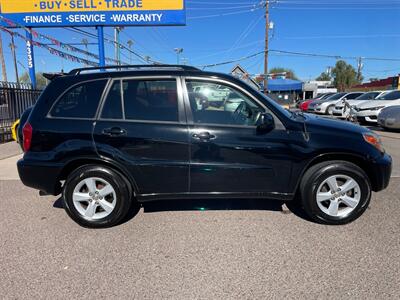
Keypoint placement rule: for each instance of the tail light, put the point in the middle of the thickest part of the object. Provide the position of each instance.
(27, 134)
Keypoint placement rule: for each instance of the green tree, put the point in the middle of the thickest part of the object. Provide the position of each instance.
(41, 82)
(289, 73)
(344, 75)
(324, 76)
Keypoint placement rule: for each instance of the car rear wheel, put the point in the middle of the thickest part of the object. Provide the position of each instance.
(335, 192)
(96, 196)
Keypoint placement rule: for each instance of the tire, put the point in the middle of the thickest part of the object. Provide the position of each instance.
(315, 187)
(329, 110)
(107, 204)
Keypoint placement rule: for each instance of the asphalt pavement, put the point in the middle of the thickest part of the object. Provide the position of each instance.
(216, 249)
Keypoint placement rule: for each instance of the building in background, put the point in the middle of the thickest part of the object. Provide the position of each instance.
(390, 83)
(312, 88)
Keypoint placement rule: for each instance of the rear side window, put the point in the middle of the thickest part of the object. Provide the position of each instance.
(112, 108)
(80, 102)
(151, 100)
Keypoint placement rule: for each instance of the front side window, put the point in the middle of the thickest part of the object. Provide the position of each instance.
(81, 101)
(151, 100)
(217, 104)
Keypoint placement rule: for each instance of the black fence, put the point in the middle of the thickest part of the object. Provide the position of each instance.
(14, 99)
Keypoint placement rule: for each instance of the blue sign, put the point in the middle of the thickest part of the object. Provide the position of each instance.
(68, 13)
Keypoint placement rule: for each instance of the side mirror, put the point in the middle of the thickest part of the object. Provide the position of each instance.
(265, 123)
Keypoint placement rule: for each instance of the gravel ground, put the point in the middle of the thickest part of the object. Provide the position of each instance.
(232, 249)
(219, 249)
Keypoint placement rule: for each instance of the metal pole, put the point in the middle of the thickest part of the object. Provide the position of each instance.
(117, 48)
(3, 63)
(266, 46)
(12, 45)
(31, 58)
(102, 56)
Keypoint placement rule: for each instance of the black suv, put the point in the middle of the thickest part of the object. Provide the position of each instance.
(109, 139)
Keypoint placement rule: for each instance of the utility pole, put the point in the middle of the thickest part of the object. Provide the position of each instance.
(178, 53)
(359, 68)
(117, 30)
(266, 47)
(130, 44)
(3, 63)
(85, 42)
(13, 47)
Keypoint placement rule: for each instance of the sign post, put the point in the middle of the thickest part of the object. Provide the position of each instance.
(100, 36)
(31, 59)
(78, 13)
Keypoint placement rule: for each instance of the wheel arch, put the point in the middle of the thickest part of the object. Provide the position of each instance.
(358, 160)
(80, 162)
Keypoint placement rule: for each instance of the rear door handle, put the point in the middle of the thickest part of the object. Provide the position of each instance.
(114, 131)
(204, 136)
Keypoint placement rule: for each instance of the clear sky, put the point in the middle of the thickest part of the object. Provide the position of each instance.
(224, 30)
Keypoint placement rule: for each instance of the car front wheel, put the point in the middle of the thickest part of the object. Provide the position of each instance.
(329, 110)
(335, 192)
(96, 196)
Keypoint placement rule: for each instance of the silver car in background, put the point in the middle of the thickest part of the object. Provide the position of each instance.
(389, 117)
(343, 112)
(327, 107)
(367, 112)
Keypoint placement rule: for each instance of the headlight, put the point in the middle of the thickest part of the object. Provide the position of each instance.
(374, 140)
(376, 108)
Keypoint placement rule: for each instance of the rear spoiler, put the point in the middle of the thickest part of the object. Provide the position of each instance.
(52, 76)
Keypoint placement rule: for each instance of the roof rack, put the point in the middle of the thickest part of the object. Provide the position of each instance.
(180, 67)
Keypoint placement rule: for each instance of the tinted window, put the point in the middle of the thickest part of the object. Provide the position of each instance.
(390, 96)
(368, 96)
(213, 104)
(152, 100)
(353, 96)
(81, 101)
(112, 108)
(336, 96)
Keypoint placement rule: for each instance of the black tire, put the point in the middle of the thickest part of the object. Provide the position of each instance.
(317, 174)
(118, 182)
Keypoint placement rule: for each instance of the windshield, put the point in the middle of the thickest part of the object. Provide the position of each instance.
(323, 97)
(336, 96)
(390, 96)
(368, 96)
(286, 112)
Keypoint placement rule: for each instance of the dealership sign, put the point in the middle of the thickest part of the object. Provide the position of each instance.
(66, 13)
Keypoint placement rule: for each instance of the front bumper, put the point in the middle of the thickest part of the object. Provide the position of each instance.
(40, 176)
(381, 170)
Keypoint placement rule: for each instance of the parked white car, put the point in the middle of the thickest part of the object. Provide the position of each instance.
(326, 107)
(368, 112)
(343, 112)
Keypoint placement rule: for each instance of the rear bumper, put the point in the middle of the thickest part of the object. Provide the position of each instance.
(381, 169)
(40, 176)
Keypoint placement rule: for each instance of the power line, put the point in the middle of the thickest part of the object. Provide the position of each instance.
(224, 14)
(303, 54)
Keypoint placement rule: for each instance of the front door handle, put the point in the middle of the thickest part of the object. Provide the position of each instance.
(114, 131)
(204, 136)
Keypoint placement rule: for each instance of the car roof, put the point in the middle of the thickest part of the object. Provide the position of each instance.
(85, 74)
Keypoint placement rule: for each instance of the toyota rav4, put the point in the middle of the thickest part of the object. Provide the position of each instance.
(108, 139)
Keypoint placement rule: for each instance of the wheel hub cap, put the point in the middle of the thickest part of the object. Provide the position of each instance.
(94, 198)
(338, 195)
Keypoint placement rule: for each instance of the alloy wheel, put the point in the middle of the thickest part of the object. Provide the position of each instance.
(94, 198)
(338, 195)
